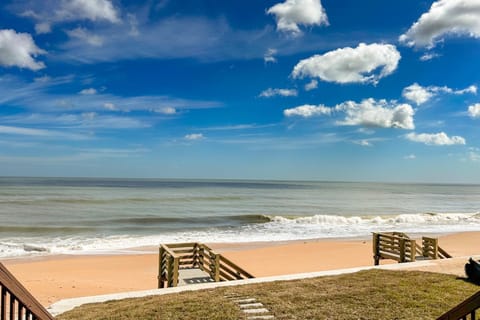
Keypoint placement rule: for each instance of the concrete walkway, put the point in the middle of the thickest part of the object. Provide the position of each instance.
(451, 266)
(191, 276)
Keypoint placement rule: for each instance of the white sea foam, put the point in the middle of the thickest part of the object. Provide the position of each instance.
(388, 220)
(278, 229)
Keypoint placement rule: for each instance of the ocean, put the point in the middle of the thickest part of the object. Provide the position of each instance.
(45, 216)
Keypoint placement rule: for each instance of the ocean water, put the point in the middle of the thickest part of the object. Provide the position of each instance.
(42, 216)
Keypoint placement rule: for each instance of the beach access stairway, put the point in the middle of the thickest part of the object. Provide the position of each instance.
(16, 303)
(189, 263)
(400, 247)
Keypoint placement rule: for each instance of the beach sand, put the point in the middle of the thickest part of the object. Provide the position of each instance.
(59, 277)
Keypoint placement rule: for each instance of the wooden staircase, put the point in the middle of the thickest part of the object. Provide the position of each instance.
(399, 247)
(173, 258)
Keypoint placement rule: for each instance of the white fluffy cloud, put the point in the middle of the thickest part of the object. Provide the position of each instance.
(435, 139)
(308, 111)
(471, 89)
(43, 27)
(194, 136)
(363, 64)
(292, 13)
(474, 110)
(311, 85)
(382, 114)
(94, 10)
(278, 92)
(445, 17)
(368, 113)
(19, 50)
(88, 91)
(418, 94)
(49, 12)
(429, 56)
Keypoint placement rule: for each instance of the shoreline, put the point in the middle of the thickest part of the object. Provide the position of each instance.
(218, 246)
(52, 278)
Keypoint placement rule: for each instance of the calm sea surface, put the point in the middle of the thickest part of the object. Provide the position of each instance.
(52, 215)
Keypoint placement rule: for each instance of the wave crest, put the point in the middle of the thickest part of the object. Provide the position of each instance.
(419, 219)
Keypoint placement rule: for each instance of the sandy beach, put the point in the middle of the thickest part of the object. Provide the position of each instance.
(58, 277)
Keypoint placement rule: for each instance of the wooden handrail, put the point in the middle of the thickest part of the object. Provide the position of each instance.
(17, 303)
(167, 249)
(464, 309)
(239, 271)
(443, 254)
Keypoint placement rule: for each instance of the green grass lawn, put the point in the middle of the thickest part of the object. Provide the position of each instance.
(372, 294)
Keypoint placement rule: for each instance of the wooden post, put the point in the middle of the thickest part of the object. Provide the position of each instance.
(195, 255)
(425, 247)
(3, 312)
(12, 306)
(217, 268)
(430, 247)
(402, 250)
(376, 248)
(169, 271)
(20, 310)
(160, 267)
(175, 270)
(201, 257)
(434, 244)
(413, 250)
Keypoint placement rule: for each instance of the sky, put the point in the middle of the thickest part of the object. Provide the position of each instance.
(341, 90)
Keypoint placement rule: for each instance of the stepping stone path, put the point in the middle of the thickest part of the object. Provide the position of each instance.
(253, 309)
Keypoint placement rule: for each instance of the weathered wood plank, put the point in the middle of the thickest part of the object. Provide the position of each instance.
(185, 262)
(180, 245)
(235, 266)
(182, 252)
(168, 250)
(226, 277)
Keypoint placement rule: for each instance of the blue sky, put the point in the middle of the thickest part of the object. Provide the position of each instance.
(292, 89)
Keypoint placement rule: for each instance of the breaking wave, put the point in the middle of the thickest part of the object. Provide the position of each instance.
(418, 219)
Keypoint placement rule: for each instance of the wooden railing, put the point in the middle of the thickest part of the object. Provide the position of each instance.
(173, 257)
(168, 267)
(430, 249)
(465, 310)
(16, 303)
(396, 246)
(399, 247)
